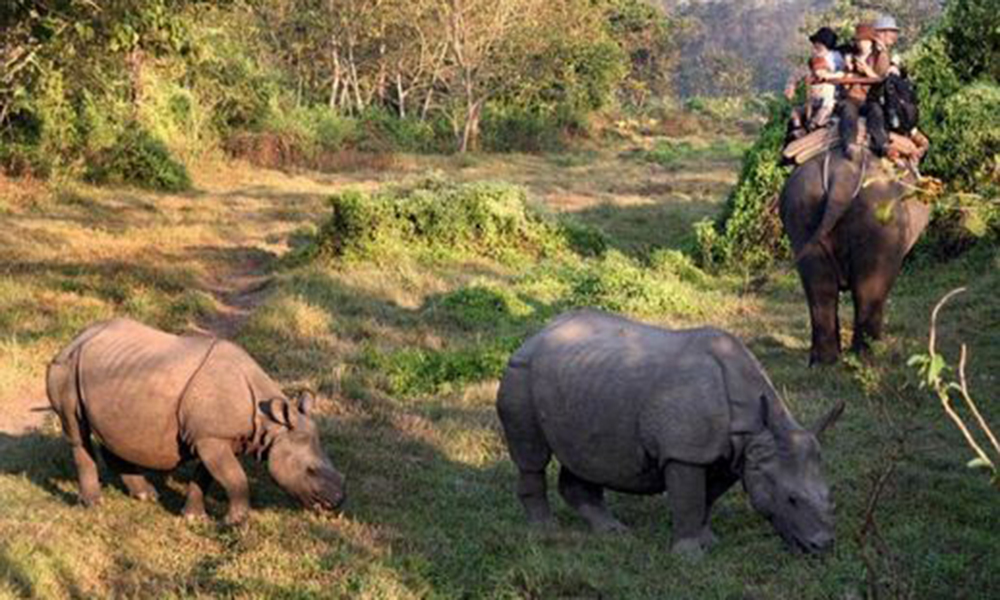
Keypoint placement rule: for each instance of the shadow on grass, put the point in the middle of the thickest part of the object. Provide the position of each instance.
(637, 230)
(46, 461)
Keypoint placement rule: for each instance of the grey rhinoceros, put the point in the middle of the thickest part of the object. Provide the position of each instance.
(641, 409)
(156, 400)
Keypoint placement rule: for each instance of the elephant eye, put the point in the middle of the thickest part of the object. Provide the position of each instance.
(793, 501)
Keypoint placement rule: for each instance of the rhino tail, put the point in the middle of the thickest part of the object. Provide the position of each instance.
(62, 384)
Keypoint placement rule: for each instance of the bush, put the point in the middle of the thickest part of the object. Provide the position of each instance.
(966, 142)
(382, 131)
(510, 129)
(748, 232)
(140, 159)
(584, 239)
(619, 284)
(480, 218)
(479, 305)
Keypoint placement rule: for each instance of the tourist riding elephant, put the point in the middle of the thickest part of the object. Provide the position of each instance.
(850, 225)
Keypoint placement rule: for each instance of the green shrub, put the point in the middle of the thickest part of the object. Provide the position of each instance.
(312, 128)
(139, 159)
(747, 233)
(617, 283)
(966, 142)
(585, 240)
(482, 305)
(517, 129)
(383, 131)
(482, 218)
(971, 33)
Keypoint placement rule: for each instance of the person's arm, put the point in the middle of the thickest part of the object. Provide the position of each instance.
(883, 63)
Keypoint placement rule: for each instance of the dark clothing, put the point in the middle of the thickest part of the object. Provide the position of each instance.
(850, 110)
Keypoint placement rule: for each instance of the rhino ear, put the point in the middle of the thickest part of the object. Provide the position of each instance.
(280, 411)
(829, 418)
(307, 402)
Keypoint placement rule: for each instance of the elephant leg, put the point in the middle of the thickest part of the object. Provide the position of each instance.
(587, 499)
(820, 281)
(688, 496)
(870, 295)
(219, 460)
(132, 476)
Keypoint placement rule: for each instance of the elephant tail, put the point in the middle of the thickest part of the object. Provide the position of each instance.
(837, 202)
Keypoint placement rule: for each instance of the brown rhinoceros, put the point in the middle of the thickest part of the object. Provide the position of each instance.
(155, 400)
(640, 409)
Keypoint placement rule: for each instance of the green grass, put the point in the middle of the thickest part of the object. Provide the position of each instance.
(405, 353)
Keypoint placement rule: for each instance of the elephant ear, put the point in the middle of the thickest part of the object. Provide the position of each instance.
(918, 215)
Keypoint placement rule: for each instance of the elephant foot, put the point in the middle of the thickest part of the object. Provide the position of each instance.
(692, 548)
(823, 358)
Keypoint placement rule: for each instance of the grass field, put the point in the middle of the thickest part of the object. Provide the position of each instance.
(405, 352)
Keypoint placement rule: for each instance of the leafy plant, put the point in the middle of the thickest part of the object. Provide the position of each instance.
(747, 232)
(140, 159)
(933, 369)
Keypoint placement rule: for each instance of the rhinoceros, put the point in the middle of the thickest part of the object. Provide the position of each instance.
(640, 409)
(155, 400)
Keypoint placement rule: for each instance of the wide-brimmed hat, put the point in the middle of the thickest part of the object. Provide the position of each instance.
(864, 31)
(825, 36)
(886, 23)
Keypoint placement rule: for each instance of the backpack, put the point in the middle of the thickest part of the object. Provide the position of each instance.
(898, 96)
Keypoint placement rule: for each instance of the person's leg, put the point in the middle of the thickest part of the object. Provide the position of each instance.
(850, 112)
(875, 117)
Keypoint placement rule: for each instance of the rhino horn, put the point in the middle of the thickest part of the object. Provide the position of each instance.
(829, 418)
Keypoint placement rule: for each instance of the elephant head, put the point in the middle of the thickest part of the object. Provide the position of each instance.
(296, 460)
(783, 478)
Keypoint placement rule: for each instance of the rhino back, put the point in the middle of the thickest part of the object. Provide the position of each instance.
(131, 379)
(617, 398)
(221, 400)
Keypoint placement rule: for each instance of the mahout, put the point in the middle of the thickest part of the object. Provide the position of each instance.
(156, 400)
(641, 409)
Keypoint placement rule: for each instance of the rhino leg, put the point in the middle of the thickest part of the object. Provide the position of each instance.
(194, 507)
(221, 462)
(61, 387)
(132, 476)
(526, 444)
(587, 499)
(688, 496)
(720, 479)
(86, 465)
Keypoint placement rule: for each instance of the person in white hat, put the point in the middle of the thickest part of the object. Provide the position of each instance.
(886, 36)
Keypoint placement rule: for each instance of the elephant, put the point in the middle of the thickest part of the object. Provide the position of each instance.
(156, 400)
(639, 409)
(851, 225)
